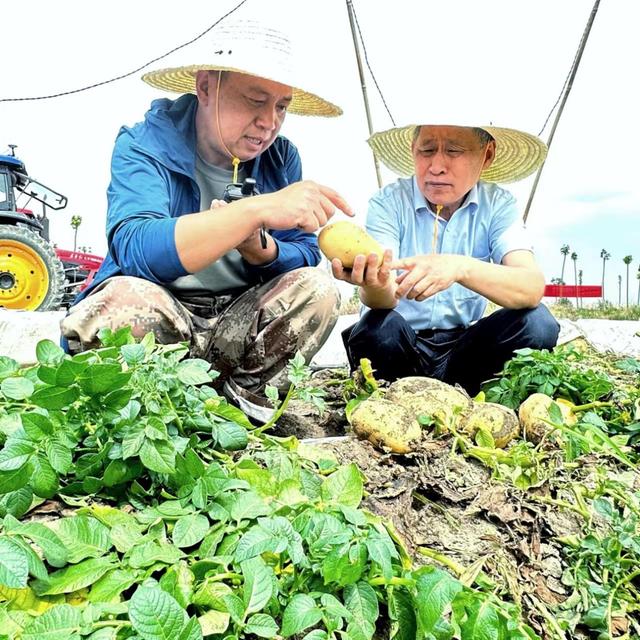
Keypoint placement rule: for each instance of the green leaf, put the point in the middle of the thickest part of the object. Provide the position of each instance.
(44, 480)
(53, 548)
(345, 568)
(235, 607)
(158, 455)
(344, 486)
(402, 611)
(191, 631)
(334, 607)
(246, 505)
(125, 535)
(118, 399)
(194, 371)
(190, 530)
(360, 599)
(14, 564)
(61, 622)
(261, 625)
(257, 541)
(133, 440)
(54, 398)
(16, 503)
(73, 577)
(230, 436)
(36, 425)
(382, 550)
(49, 353)
(119, 471)
(155, 615)
(68, 371)
(8, 366)
(178, 582)
(17, 388)
(15, 454)
(435, 590)
(133, 353)
(60, 456)
(482, 623)
(84, 537)
(15, 479)
(220, 407)
(148, 553)
(300, 614)
(101, 377)
(604, 508)
(258, 584)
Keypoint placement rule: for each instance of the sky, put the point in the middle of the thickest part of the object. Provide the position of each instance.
(503, 62)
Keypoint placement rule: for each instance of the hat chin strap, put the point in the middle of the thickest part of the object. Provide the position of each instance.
(235, 161)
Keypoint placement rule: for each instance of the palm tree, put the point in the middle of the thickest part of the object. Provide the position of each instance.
(564, 250)
(627, 260)
(619, 290)
(605, 255)
(76, 221)
(574, 257)
(580, 282)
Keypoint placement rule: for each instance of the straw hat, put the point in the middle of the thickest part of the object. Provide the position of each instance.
(518, 154)
(246, 47)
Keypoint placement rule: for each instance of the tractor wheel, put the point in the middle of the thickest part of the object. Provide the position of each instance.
(31, 275)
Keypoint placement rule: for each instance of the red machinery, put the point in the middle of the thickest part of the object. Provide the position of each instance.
(34, 275)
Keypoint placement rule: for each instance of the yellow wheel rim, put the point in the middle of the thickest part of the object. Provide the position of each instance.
(24, 279)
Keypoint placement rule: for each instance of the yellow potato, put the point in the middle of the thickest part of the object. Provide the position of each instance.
(345, 240)
(535, 410)
(429, 397)
(501, 422)
(386, 424)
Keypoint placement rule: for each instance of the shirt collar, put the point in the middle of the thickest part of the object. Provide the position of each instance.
(420, 202)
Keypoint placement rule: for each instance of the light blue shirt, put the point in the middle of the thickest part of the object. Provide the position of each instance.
(486, 226)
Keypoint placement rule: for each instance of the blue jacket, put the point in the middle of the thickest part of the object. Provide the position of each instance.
(153, 183)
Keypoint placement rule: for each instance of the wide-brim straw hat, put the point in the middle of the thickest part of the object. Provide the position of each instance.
(247, 47)
(518, 154)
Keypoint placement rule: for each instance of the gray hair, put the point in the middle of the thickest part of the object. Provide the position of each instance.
(483, 136)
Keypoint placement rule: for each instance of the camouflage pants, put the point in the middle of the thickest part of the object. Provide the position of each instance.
(249, 342)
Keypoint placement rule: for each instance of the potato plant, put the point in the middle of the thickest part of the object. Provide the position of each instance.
(177, 518)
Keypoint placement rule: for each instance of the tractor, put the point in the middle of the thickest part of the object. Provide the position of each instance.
(34, 275)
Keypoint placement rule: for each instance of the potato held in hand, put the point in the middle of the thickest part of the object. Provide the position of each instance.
(345, 240)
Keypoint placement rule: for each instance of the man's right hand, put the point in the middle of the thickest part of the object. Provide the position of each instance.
(304, 205)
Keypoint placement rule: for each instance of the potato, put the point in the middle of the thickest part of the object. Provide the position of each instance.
(535, 410)
(385, 424)
(345, 240)
(500, 421)
(429, 397)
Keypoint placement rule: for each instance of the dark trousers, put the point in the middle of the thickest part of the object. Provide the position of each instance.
(466, 356)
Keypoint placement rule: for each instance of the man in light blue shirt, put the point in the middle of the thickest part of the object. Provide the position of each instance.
(457, 242)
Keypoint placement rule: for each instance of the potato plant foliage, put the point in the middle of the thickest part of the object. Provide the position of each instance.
(183, 521)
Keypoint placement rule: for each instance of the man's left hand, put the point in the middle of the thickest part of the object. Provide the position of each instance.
(424, 276)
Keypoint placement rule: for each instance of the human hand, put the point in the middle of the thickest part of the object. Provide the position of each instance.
(425, 275)
(365, 271)
(304, 205)
(216, 204)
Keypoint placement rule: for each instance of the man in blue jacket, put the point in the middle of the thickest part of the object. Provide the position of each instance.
(236, 281)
